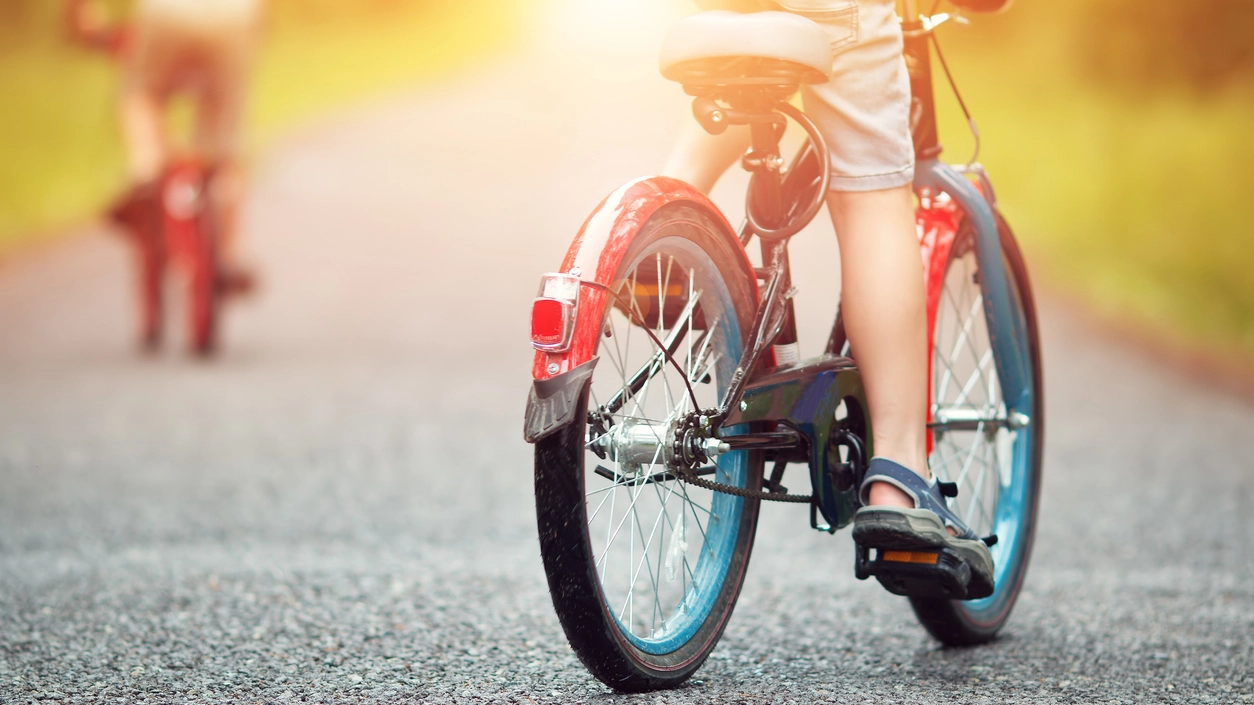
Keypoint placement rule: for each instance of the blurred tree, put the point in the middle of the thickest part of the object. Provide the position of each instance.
(33, 22)
(1147, 45)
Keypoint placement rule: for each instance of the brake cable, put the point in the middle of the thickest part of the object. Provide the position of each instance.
(637, 320)
(953, 85)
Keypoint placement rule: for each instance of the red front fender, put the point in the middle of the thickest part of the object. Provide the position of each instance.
(938, 226)
(598, 250)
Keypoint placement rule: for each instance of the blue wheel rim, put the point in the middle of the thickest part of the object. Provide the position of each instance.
(1014, 466)
(719, 536)
(1013, 501)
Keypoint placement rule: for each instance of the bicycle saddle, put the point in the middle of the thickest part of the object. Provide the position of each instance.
(771, 36)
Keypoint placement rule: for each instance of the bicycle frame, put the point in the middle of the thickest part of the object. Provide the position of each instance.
(732, 328)
(801, 397)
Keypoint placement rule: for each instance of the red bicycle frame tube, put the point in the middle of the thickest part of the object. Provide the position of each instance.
(597, 253)
(938, 226)
(181, 227)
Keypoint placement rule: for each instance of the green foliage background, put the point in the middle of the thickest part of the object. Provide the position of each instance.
(60, 155)
(1119, 135)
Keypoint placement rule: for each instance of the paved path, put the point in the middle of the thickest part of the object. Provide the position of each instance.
(339, 509)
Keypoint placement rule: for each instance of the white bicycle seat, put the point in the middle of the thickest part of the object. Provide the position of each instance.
(782, 36)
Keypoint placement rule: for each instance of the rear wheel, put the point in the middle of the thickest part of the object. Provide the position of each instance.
(994, 460)
(643, 568)
(203, 295)
(151, 257)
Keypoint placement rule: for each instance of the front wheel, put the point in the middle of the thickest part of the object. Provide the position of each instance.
(993, 454)
(643, 568)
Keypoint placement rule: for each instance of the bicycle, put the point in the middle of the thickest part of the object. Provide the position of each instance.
(651, 453)
(173, 225)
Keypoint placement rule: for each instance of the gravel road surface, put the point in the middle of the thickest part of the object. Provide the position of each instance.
(339, 508)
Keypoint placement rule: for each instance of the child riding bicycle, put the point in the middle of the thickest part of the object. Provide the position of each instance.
(199, 48)
(864, 113)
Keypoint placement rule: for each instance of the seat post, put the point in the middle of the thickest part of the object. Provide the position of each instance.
(764, 161)
(919, 65)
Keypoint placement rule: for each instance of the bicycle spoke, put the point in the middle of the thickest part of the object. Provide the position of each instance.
(662, 542)
(704, 539)
(963, 354)
(683, 513)
(644, 558)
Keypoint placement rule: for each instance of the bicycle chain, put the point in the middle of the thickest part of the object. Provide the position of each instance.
(688, 454)
(683, 476)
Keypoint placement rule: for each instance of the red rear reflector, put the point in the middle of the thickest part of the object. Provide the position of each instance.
(553, 312)
(547, 321)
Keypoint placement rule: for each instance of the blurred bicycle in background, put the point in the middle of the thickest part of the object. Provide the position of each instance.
(181, 208)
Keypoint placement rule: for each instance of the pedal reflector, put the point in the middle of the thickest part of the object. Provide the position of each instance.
(925, 557)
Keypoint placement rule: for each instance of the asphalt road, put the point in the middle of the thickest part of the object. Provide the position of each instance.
(339, 508)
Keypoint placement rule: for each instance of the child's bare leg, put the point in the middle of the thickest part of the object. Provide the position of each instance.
(700, 158)
(144, 130)
(883, 302)
(883, 299)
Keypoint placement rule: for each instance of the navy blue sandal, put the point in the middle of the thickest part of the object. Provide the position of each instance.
(914, 553)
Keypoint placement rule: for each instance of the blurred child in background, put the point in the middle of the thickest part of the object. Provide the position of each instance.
(203, 49)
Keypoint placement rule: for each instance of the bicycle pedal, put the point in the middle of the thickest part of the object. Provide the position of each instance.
(938, 574)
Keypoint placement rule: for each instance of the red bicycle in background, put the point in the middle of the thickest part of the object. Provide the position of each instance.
(173, 225)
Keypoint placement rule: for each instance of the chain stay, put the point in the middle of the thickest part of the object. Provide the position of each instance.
(683, 476)
(688, 454)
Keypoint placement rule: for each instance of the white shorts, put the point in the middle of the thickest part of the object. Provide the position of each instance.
(864, 110)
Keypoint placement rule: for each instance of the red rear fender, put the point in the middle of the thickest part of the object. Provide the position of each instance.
(598, 250)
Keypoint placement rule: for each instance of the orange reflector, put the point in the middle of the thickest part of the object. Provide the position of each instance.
(910, 557)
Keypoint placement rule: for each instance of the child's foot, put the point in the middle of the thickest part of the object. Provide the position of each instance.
(883, 494)
(904, 513)
(236, 279)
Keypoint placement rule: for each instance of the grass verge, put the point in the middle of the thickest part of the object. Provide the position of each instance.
(1131, 203)
(60, 155)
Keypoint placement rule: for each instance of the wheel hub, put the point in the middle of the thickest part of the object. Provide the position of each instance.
(686, 442)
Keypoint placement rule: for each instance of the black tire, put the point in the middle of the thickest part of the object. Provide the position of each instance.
(204, 298)
(959, 623)
(151, 257)
(606, 641)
